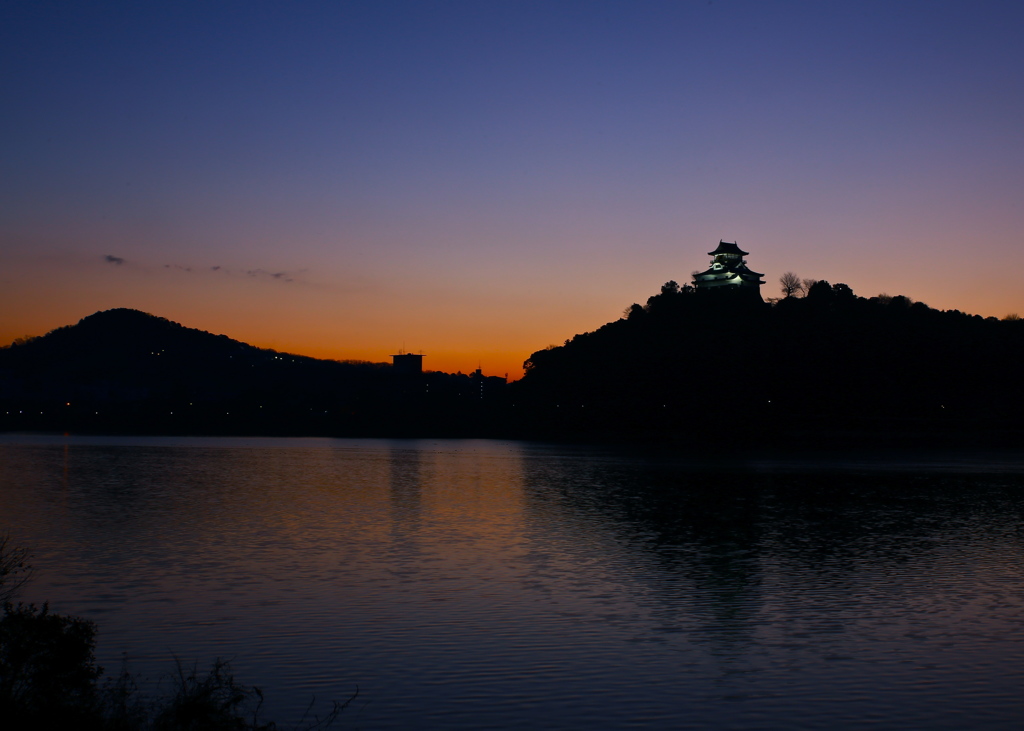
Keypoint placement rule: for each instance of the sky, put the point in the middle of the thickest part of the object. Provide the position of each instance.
(478, 180)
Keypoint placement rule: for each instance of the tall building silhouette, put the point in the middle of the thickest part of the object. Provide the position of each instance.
(407, 362)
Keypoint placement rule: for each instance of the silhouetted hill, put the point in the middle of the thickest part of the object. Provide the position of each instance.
(123, 355)
(724, 370)
(688, 368)
(126, 370)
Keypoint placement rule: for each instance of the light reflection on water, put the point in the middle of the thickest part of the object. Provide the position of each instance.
(469, 584)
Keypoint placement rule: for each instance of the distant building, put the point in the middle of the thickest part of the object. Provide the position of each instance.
(728, 270)
(407, 362)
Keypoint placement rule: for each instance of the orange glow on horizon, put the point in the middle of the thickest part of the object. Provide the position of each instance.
(495, 329)
(286, 329)
(477, 186)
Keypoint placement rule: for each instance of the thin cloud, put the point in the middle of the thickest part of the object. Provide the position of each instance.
(292, 276)
(259, 273)
(264, 274)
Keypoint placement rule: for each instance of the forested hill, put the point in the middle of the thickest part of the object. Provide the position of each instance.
(124, 355)
(720, 368)
(691, 367)
(123, 370)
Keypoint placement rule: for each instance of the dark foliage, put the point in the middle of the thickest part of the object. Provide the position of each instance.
(686, 365)
(14, 568)
(698, 367)
(212, 702)
(49, 679)
(47, 672)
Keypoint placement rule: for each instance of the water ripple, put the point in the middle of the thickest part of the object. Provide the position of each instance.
(466, 585)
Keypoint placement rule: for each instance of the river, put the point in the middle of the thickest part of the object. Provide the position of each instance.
(512, 585)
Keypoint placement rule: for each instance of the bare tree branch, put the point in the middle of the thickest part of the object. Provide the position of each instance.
(790, 284)
(14, 568)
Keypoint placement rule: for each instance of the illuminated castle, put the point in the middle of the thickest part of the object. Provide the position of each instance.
(728, 271)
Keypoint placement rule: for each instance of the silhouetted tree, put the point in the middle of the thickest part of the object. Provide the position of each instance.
(843, 291)
(791, 284)
(14, 568)
(819, 291)
(633, 311)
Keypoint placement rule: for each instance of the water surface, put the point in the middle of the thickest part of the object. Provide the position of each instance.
(481, 584)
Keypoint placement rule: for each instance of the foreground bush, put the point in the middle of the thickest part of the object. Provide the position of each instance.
(47, 671)
(49, 679)
(15, 570)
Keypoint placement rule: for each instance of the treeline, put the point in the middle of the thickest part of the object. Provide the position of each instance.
(689, 366)
(725, 366)
(125, 371)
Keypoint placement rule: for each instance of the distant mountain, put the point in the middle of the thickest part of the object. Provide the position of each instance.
(687, 368)
(131, 371)
(125, 355)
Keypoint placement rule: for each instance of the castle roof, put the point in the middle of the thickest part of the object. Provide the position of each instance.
(741, 270)
(725, 247)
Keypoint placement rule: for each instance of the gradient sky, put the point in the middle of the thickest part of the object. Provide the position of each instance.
(478, 180)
